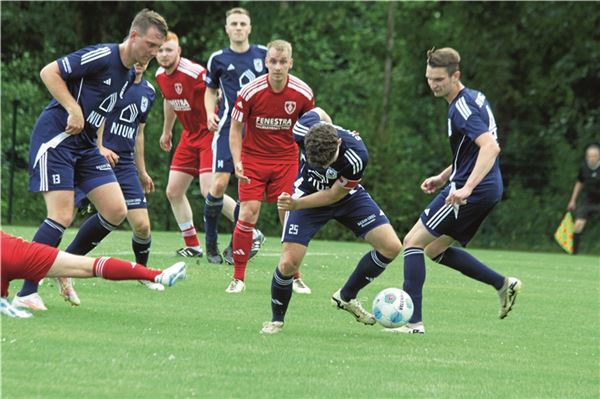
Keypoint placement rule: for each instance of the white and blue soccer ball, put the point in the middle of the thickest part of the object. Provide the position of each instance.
(392, 307)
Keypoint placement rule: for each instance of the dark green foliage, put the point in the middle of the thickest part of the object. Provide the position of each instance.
(537, 62)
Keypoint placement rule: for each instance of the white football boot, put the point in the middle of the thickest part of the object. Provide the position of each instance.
(354, 307)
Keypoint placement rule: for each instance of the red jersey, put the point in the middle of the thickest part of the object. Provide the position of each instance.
(184, 90)
(22, 259)
(270, 117)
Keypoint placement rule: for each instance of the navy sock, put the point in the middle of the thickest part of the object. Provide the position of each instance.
(414, 278)
(371, 265)
(464, 262)
(50, 233)
(236, 215)
(141, 249)
(281, 293)
(91, 232)
(212, 212)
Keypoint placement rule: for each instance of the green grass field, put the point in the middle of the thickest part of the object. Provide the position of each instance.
(195, 341)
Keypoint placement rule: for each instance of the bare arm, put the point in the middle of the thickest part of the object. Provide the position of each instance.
(210, 103)
(140, 162)
(432, 183)
(110, 156)
(166, 139)
(488, 152)
(235, 145)
(576, 190)
(55, 84)
(285, 202)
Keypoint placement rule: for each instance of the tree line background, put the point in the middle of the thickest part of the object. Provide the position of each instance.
(538, 63)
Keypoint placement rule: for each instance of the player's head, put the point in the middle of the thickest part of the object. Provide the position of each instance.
(147, 32)
(443, 71)
(237, 25)
(592, 154)
(322, 145)
(169, 53)
(279, 61)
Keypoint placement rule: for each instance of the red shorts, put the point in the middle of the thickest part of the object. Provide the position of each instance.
(193, 160)
(22, 259)
(267, 180)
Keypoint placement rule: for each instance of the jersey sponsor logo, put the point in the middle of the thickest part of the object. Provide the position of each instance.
(178, 88)
(258, 65)
(105, 166)
(129, 113)
(231, 67)
(95, 119)
(144, 104)
(317, 180)
(122, 130)
(245, 78)
(290, 107)
(109, 103)
(180, 104)
(273, 123)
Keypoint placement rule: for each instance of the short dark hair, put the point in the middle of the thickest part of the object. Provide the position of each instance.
(444, 58)
(147, 18)
(320, 144)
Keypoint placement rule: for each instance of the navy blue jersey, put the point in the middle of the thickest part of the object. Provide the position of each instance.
(230, 71)
(97, 79)
(469, 116)
(348, 168)
(122, 123)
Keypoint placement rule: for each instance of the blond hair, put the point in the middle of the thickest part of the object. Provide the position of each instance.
(237, 10)
(280, 45)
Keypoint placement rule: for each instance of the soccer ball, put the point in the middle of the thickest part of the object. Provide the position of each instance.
(392, 307)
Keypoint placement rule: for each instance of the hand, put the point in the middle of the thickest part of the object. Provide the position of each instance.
(75, 120)
(110, 156)
(458, 197)
(147, 182)
(239, 173)
(571, 206)
(166, 141)
(213, 122)
(285, 202)
(431, 184)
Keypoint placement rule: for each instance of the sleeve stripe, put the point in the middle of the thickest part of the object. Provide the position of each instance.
(66, 65)
(236, 115)
(355, 161)
(300, 129)
(94, 55)
(463, 108)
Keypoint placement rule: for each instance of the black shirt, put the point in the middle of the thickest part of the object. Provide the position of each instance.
(591, 182)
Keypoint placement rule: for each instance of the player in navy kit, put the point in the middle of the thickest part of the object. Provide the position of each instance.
(86, 86)
(229, 70)
(475, 187)
(328, 187)
(121, 142)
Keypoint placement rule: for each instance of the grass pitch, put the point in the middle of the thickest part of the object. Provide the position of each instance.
(196, 341)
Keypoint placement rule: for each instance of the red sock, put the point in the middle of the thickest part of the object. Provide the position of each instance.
(242, 243)
(117, 269)
(297, 276)
(190, 237)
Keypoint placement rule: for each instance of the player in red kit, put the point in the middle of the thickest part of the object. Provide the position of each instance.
(181, 82)
(22, 259)
(266, 159)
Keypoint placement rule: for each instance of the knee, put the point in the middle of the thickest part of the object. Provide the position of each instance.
(173, 193)
(288, 266)
(116, 215)
(65, 218)
(218, 188)
(391, 249)
(142, 230)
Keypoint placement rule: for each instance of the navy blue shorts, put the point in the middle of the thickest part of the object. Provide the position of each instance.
(222, 159)
(128, 179)
(358, 212)
(65, 167)
(462, 224)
